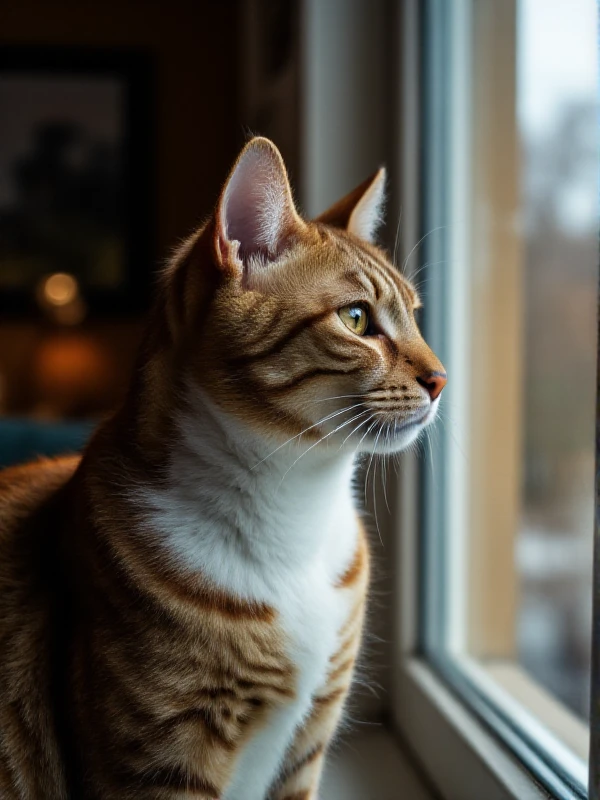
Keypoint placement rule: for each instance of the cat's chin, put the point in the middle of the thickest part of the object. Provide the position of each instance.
(395, 440)
(398, 437)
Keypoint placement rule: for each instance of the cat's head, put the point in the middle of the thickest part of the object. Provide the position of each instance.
(292, 325)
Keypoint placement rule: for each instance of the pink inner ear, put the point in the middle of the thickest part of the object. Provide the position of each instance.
(255, 204)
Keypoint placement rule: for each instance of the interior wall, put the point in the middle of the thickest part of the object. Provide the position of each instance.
(346, 110)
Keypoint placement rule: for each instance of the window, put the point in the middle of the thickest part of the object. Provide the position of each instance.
(508, 266)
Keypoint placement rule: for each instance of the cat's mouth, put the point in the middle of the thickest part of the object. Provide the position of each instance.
(418, 419)
(378, 430)
(430, 414)
(402, 426)
(394, 435)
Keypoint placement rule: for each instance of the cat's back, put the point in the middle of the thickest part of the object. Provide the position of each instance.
(30, 528)
(26, 488)
(30, 523)
(28, 515)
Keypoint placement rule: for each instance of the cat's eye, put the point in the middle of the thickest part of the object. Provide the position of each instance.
(355, 317)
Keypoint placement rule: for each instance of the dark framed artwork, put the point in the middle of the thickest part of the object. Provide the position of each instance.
(76, 164)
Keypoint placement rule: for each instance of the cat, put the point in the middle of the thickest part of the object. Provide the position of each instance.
(181, 608)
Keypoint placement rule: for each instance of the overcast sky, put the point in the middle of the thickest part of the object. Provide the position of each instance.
(557, 65)
(557, 57)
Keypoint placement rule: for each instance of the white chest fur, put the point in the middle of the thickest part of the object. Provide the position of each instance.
(281, 533)
(311, 624)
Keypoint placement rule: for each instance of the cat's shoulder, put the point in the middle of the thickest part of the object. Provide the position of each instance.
(25, 488)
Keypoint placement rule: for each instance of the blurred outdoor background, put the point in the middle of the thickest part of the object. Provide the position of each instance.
(558, 124)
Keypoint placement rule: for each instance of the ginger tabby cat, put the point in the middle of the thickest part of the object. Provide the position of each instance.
(181, 607)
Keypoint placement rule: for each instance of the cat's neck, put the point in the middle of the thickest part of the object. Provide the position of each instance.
(231, 495)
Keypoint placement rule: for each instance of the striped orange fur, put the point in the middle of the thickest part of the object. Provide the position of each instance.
(181, 608)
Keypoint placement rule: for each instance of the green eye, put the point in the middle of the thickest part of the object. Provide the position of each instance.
(356, 318)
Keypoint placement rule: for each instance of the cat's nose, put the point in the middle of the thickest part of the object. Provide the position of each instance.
(433, 383)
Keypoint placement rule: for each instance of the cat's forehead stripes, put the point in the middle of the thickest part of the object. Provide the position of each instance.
(357, 278)
(407, 291)
(372, 274)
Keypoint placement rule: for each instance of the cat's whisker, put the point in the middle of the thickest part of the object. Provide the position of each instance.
(374, 490)
(310, 427)
(368, 468)
(369, 686)
(454, 439)
(322, 439)
(397, 239)
(450, 426)
(368, 431)
(421, 240)
(445, 416)
(365, 722)
(384, 468)
(364, 422)
(373, 481)
(431, 463)
(425, 266)
(420, 284)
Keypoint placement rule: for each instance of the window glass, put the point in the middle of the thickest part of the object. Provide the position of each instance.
(509, 274)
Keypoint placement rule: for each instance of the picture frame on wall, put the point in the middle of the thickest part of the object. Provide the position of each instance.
(76, 186)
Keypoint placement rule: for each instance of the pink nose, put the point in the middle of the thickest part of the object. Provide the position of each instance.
(433, 383)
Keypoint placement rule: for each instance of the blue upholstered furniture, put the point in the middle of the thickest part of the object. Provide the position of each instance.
(23, 439)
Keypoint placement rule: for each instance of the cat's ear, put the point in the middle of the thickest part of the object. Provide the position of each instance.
(361, 211)
(255, 217)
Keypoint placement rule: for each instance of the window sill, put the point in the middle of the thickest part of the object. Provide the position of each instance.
(452, 748)
(557, 718)
(370, 765)
(463, 758)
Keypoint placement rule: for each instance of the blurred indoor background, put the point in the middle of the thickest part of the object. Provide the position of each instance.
(119, 123)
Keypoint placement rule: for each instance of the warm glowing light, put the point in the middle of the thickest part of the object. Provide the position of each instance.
(60, 289)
